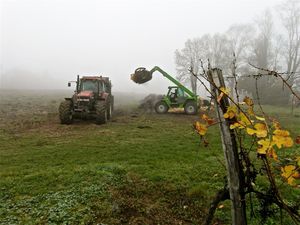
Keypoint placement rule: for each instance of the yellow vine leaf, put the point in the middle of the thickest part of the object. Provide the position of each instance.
(231, 112)
(248, 101)
(284, 133)
(244, 119)
(225, 90)
(296, 175)
(289, 173)
(236, 125)
(250, 111)
(265, 146)
(250, 131)
(260, 130)
(242, 122)
(260, 118)
(297, 140)
(204, 117)
(200, 128)
(208, 120)
(272, 154)
(221, 206)
(281, 138)
(276, 125)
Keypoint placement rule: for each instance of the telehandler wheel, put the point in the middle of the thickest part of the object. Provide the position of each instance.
(101, 112)
(190, 108)
(65, 112)
(161, 107)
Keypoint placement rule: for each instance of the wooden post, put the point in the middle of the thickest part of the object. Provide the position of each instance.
(230, 148)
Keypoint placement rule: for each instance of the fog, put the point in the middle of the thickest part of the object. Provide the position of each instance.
(46, 43)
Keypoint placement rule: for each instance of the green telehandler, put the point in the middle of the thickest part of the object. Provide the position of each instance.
(178, 96)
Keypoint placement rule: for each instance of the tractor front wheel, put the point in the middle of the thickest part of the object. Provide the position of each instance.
(101, 112)
(65, 112)
(161, 107)
(190, 108)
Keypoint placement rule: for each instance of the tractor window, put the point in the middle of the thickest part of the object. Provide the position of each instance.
(180, 92)
(89, 85)
(103, 86)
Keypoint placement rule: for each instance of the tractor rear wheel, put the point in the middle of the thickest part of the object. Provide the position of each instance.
(101, 112)
(161, 107)
(112, 102)
(109, 110)
(65, 112)
(190, 108)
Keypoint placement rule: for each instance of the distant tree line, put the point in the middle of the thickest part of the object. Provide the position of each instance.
(261, 43)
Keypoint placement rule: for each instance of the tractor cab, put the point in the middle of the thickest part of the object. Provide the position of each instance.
(176, 95)
(93, 84)
(90, 85)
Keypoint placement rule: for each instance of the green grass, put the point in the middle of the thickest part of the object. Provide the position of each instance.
(53, 165)
(145, 169)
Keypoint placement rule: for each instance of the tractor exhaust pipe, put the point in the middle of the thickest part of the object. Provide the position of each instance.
(77, 84)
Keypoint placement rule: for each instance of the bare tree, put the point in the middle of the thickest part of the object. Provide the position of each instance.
(264, 53)
(187, 62)
(276, 62)
(218, 53)
(188, 59)
(290, 16)
(262, 48)
(240, 39)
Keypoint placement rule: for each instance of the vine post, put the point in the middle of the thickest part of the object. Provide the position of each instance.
(235, 175)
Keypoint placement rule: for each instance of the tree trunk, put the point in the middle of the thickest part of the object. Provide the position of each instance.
(193, 84)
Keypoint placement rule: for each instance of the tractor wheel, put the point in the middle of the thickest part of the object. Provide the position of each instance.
(190, 108)
(101, 112)
(112, 100)
(161, 107)
(65, 112)
(109, 110)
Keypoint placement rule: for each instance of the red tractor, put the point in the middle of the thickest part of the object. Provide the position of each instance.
(92, 99)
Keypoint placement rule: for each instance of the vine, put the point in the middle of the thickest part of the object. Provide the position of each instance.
(267, 137)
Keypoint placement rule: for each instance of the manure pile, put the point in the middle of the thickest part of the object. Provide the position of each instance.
(148, 103)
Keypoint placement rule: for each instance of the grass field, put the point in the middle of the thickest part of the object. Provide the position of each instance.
(137, 169)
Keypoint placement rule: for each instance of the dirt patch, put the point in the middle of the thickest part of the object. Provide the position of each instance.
(143, 127)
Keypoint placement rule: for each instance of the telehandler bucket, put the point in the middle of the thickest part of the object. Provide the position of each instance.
(141, 75)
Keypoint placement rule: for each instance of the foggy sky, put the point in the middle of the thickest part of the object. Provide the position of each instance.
(46, 43)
